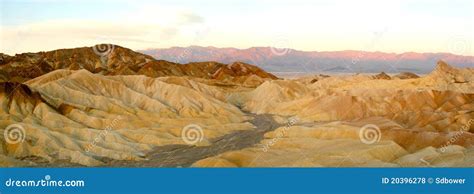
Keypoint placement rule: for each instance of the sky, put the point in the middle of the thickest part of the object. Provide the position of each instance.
(309, 25)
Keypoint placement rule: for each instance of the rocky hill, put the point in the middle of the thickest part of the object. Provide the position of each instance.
(109, 59)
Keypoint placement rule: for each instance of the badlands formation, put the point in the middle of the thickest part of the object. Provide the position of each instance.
(115, 107)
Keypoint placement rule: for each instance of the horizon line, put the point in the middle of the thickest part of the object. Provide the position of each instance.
(247, 48)
(319, 51)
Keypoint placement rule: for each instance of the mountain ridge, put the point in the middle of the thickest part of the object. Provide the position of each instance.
(108, 59)
(291, 60)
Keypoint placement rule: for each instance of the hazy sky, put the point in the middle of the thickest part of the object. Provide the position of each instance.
(327, 25)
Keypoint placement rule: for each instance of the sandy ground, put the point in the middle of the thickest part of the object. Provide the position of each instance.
(185, 155)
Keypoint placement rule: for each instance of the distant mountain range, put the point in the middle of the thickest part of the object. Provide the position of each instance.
(290, 60)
